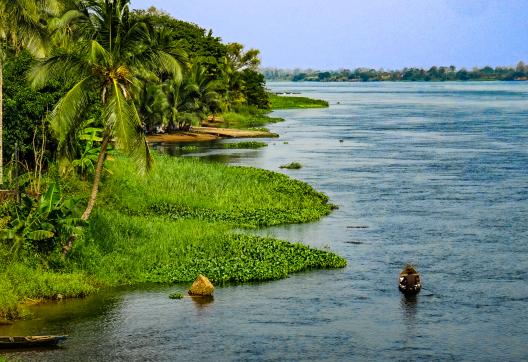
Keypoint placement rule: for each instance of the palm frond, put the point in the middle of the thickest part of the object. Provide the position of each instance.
(99, 55)
(57, 67)
(122, 117)
(66, 117)
(22, 22)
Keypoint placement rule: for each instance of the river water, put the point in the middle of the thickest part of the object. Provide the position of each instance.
(435, 174)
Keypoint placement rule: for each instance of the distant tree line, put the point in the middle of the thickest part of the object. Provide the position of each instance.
(435, 73)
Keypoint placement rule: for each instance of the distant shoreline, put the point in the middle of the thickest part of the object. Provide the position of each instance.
(408, 74)
(396, 81)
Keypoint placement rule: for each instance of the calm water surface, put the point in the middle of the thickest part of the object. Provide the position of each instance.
(436, 174)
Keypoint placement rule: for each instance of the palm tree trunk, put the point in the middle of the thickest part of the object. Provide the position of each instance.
(95, 188)
(97, 178)
(1, 118)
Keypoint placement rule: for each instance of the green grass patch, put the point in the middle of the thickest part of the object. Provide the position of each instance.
(20, 281)
(283, 102)
(252, 121)
(178, 223)
(171, 225)
(183, 188)
(122, 249)
(244, 145)
(292, 166)
(190, 148)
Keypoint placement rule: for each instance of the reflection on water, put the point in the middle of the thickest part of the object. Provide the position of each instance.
(439, 174)
(409, 306)
(202, 302)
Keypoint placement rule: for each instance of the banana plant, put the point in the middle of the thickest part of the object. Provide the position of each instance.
(40, 224)
(91, 137)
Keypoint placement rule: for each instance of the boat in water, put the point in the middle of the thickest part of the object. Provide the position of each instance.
(409, 282)
(7, 342)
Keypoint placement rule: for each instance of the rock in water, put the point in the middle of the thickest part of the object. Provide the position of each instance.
(202, 286)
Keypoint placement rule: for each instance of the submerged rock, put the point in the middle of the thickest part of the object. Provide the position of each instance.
(202, 287)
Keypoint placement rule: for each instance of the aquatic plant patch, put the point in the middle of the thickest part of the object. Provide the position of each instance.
(282, 102)
(122, 249)
(292, 166)
(244, 145)
(247, 120)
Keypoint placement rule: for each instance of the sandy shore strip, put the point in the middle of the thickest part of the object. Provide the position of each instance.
(200, 134)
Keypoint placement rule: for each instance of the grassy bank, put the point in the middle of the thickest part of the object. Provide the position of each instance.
(172, 225)
(182, 188)
(283, 102)
(31, 283)
(247, 120)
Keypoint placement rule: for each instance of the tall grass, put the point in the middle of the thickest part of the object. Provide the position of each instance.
(177, 223)
(184, 188)
(24, 281)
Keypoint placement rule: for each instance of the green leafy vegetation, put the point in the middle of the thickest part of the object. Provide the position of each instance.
(85, 81)
(292, 166)
(244, 145)
(176, 295)
(29, 281)
(172, 226)
(123, 249)
(247, 118)
(288, 102)
(131, 237)
(183, 188)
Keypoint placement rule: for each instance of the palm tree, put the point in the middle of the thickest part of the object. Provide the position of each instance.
(191, 100)
(112, 52)
(204, 89)
(20, 26)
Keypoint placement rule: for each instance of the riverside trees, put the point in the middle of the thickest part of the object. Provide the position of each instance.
(118, 71)
(21, 26)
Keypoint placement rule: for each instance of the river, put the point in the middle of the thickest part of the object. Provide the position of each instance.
(435, 174)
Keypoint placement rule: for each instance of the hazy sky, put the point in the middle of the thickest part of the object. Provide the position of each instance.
(391, 34)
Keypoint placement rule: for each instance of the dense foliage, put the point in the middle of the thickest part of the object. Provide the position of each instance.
(435, 73)
(216, 77)
(25, 108)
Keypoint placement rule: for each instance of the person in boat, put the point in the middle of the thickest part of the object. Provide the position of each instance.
(409, 279)
(403, 281)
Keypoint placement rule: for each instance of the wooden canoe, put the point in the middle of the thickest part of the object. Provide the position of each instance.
(30, 341)
(409, 282)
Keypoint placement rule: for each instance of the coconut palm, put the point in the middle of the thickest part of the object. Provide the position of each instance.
(204, 89)
(193, 99)
(111, 54)
(21, 26)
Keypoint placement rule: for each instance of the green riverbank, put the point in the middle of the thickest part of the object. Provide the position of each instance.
(170, 226)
